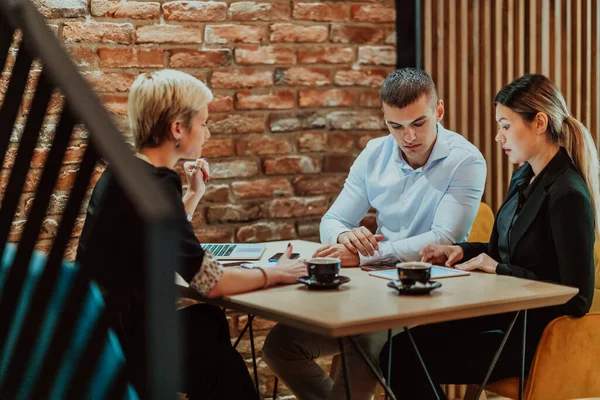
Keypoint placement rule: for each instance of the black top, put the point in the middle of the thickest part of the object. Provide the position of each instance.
(551, 240)
(112, 244)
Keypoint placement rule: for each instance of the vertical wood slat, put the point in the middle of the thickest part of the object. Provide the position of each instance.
(475, 47)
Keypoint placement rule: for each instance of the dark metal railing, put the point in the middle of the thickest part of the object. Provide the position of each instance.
(80, 107)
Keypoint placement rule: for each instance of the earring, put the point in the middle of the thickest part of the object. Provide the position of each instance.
(177, 143)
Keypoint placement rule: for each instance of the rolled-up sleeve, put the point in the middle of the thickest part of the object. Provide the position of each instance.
(208, 275)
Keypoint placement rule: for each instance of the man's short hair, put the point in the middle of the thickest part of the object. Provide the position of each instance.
(405, 86)
(158, 98)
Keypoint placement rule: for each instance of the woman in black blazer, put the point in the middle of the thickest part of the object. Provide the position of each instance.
(544, 230)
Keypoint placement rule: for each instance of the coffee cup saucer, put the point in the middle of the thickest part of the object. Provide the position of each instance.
(417, 288)
(313, 284)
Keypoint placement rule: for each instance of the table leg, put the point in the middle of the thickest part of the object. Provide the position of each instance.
(241, 335)
(407, 329)
(373, 369)
(275, 388)
(496, 356)
(523, 338)
(389, 371)
(344, 367)
(253, 355)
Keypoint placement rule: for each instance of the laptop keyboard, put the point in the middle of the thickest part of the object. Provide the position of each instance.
(220, 250)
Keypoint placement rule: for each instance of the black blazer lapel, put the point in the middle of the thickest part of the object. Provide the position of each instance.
(532, 206)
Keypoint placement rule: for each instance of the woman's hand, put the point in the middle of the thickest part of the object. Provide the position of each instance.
(197, 174)
(438, 254)
(288, 270)
(482, 262)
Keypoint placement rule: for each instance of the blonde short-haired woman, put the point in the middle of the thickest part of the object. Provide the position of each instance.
(545, 230)
(168, 112)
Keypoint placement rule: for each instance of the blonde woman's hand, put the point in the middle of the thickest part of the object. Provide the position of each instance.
(438, 254)
(289, 270)
(197, 173)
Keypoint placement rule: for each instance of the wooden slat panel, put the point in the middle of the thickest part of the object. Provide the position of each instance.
(475, 47)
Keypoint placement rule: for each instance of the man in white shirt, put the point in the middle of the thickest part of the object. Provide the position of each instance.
(425, 183)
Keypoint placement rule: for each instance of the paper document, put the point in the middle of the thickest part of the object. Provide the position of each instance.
(436, 273)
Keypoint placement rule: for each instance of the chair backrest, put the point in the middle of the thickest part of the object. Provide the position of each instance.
(567, 360)
(46, 305)
(483, 225)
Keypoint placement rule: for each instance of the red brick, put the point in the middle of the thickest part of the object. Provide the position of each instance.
(233, 33)
(363, 140)
(236, 123)
(247, 78)
(191, 58)
(55, 105)
(355, 34)
(340, 142)
(372, 13)
(109, 81)
(321, 11)
(195, 11)
(218, 147)
(377, 55)
(264, 55)
(326, 55)
(280, 100)
(270, 187)
(233, 169)
(131, 57)
(73, 155)
(216, 194)
(370, 99)
(291, 207)
(115, 104)
(296, 121)
(308, 185)
(337, 163)
(326, 98)
(290, 33)
(291, 165)
(233, 213)
(253, 11)
(266, 231)
(360, 77)
(299, 76)
(312, 141)
(262, 145)
(103, 32)
(221, 234)
(84, 57)
(168, 34)
(131, 10)
(349, 120)
(45, 245)
(61, 8)
(221, 103)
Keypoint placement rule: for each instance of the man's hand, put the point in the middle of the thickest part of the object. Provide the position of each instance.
(439, 254)
(348, 258)
(482, 262)
(360, 239)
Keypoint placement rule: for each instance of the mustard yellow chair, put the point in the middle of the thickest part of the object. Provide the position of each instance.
(567, 360)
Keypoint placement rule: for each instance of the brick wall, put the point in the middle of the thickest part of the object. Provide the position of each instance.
(296, 99)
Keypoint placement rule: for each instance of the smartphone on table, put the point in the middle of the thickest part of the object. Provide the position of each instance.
(276, 257)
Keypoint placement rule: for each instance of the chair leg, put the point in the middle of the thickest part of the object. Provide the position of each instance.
(334, 370)
(472, 392)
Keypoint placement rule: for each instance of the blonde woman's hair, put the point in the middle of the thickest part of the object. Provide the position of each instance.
(531, 94)
(156, 99)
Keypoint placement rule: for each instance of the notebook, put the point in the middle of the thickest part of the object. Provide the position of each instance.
(436, 273)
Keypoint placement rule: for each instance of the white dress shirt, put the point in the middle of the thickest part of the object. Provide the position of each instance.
(436, 203)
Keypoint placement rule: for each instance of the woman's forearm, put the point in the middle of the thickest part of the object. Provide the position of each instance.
(238, 280)
(190, 201)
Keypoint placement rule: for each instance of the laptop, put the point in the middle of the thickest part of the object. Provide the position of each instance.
(229, 251)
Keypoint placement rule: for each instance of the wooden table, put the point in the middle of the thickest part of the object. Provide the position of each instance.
(366, 305)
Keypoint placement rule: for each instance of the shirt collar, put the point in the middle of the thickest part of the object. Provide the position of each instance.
(440, 150)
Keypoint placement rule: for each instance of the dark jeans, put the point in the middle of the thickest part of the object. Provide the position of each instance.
(455, 352)
(213, 369)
